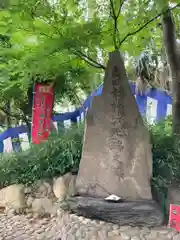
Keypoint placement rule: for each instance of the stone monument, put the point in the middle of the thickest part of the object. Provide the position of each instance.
(116, 157)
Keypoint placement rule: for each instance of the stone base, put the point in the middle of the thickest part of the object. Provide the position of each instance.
(132, 213)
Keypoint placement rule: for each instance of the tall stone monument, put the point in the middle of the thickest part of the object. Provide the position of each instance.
(116, 157)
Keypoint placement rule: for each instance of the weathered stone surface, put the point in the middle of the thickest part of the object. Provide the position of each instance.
(42, 189)
(45, 189)
(42, 205)
(64, 186)
(116, 157)
(29, 201)
(132, 213)
(12, 197)
(72, 186)
(60, 187)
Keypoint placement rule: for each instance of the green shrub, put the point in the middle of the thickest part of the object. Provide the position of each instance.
(166, 154)
(60, 154)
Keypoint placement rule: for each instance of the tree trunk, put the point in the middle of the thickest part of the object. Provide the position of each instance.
(8, 116)
(174, 63)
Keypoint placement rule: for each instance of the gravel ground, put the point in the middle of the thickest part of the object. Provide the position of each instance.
(70, 227)
(21, 227)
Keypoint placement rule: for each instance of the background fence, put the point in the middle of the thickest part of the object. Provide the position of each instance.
(154, 105)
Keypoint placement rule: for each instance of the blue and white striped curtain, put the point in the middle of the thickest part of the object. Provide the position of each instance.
(154, 105)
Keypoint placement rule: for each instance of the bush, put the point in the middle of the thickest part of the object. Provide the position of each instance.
(166, 155)
(62, 153)
(55, 157)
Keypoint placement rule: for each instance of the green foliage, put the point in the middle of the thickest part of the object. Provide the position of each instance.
(54, 40)
(166, 155)
(37, 45)
(47, 38)
(43, 39)
(166, 160)
(59, 155)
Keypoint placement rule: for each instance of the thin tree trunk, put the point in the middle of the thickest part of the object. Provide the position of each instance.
(8, 117)
(173, 60)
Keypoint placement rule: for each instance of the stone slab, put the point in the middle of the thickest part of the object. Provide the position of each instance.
(132, 213)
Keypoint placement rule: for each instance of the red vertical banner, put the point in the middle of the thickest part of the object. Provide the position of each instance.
(174, 217)
(42, 112)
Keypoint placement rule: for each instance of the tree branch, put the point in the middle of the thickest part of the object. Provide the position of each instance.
(115, 18)
(88, 59)
(113, 10)
(120, 7)
(83, 56)
(78, 99)
(147, 23)
(78, 53)
(19, 117)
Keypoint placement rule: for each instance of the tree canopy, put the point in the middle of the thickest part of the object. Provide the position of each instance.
(67, 42)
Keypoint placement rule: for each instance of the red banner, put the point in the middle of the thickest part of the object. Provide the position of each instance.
(174, 217)
(42, 112)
